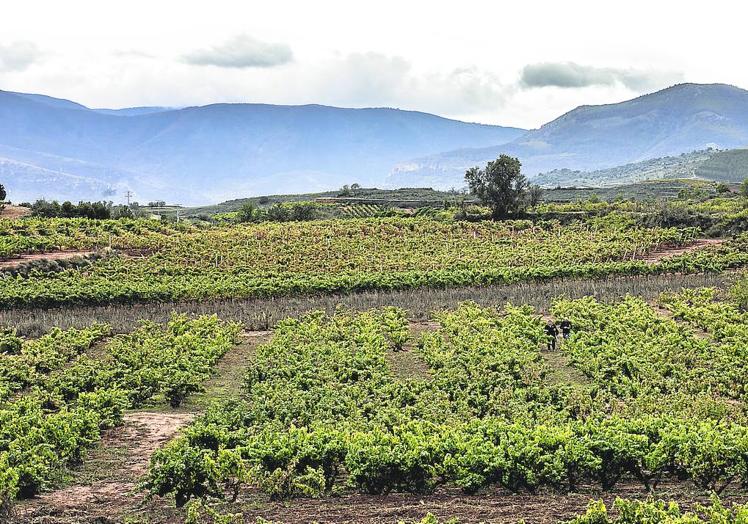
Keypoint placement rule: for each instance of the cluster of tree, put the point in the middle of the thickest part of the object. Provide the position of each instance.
(502, 187)
(285, 212)
(348, 191)
(95, 210)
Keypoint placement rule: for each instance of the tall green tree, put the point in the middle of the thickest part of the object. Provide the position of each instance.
(501, 186)
(3, 193)
(744, 188)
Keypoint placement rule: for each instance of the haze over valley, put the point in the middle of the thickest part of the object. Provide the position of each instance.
(58, 149)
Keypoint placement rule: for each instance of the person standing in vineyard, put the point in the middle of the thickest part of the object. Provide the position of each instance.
(552, 332)
(565, 326)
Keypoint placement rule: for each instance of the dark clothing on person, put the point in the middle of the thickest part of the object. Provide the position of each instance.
(552, 332)
(565, 326)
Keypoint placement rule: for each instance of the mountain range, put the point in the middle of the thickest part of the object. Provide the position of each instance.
(728, 166)
(60, 149)
(679, 119)
(56, 148)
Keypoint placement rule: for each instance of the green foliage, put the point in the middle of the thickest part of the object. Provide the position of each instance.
(501, 186)
(91, 210)
(739, 292)
(321, 400)
(182, 262)
(200, 513)
(69, 397)
(248, 213)
(659, 512)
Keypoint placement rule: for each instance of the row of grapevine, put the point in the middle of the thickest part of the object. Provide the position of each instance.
(633, 352)
(321, 408)
(47, 234)
(352, 255)
(50, 426)
(25, 363)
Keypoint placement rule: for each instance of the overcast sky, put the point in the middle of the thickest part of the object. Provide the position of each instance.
(514, 63)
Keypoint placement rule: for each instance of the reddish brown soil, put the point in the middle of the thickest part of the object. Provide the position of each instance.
(119, 462)
(51, 255)
(105, 489)
(673, 251)
(14, 212)
(493, 506)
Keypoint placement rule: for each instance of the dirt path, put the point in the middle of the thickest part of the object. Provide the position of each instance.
(561, 369)
(50, 255)
(673, 251)
(105, 488)
(695, 330)
(229, 377)
(494, 505)
(408, 364)
(14, 212)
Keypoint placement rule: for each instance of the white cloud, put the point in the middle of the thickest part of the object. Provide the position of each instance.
(572, 75)
(18, 56)
(242, 51)
(374, 79)
(448, 59)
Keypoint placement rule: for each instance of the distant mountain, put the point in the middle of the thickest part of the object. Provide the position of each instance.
(52, 147)
(134, 111)
(679, 119)
(730, 166)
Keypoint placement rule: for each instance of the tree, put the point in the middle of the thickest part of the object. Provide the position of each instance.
(303, 211)
(535, 195)
(501, 186)
(3, 193)
(248, 212)
(279, 213)
(722, 188)
(744, 188)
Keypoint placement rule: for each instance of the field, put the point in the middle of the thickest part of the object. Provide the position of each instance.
(154, 263)
(377, 369)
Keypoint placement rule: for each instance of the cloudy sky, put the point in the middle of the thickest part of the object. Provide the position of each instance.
(516, 63)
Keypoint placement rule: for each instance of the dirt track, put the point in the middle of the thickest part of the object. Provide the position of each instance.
(51, 255)
(14, 212)
(113, 471)
(669, 252)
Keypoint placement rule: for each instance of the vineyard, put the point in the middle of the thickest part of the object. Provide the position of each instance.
(57, 397)
(323, 411)
(345, 256)
(360, 415)
(34, 235)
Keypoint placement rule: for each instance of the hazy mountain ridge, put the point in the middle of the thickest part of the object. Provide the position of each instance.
(203, 154)
(678, 119)
(198, 155)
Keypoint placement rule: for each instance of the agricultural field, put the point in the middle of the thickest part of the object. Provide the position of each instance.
(377, 369)
(156, 263)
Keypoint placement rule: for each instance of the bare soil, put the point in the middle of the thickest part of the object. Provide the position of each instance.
(106, 487)
(673, 251)
(14, 212)
(50, 255)
(407, 363)
(491, 506)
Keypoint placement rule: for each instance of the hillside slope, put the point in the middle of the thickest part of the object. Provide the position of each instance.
(679, 119)
(204, 154)
(729, 166)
